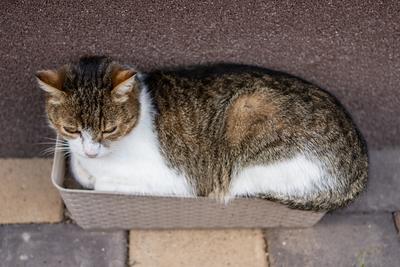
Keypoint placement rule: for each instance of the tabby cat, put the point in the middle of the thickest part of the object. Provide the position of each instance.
(221, 131)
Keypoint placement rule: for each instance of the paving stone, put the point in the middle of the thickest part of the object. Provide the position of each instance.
(183, 248)
(383, 189)
(338, 240)
(61, 245)
(26, 192)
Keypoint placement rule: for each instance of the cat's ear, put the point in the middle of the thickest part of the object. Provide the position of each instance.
(51, 81)
(123, 80)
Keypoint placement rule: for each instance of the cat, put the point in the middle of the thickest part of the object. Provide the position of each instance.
(221, 131)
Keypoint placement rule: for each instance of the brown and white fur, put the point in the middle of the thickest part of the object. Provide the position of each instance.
(222, 131)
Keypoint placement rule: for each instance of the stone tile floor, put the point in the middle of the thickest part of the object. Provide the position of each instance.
(33, 231)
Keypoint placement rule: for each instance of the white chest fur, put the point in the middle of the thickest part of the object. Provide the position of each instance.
(135, 164)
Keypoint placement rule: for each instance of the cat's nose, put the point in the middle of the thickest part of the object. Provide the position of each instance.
(91, 150)
(91, 154)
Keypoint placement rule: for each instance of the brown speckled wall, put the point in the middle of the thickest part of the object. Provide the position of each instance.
(351, 48)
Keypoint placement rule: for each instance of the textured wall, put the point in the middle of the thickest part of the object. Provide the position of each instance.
(350, 48)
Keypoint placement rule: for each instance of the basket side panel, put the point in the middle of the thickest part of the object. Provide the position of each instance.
(103, 211)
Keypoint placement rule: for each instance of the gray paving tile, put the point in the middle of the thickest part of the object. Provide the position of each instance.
(61, 245)
(338, 240)
(383, 189)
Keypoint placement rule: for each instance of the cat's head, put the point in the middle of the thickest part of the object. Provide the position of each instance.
(91, 103)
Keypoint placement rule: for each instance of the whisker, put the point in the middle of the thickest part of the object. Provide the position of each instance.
(53, 149)
(50, 143)
(55, 139)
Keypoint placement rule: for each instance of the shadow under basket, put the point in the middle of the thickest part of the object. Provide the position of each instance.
(104, 210)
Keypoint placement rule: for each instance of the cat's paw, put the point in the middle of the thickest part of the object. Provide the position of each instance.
(81, 175)
(100, 185)
(109, 184)
(86, 180)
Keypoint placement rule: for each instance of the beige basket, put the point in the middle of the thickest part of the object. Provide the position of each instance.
(104, 210)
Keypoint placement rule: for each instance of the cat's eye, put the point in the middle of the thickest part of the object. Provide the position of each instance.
(110, 130)
(71, 130)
